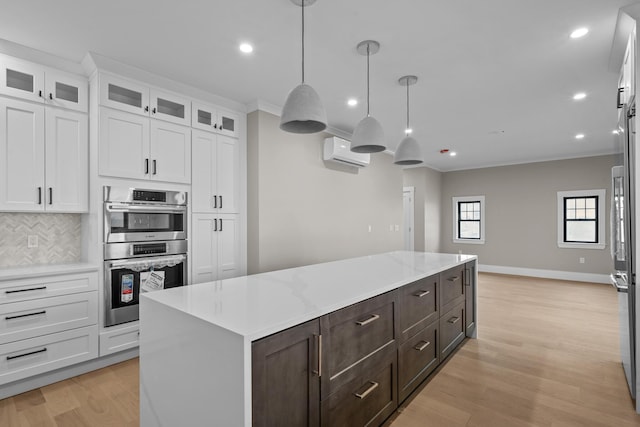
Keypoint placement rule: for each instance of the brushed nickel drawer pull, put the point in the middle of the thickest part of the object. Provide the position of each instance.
(373, 386)
(14, 291)
(424, 345)
(318, 371)
(373, 318)
(420, 294)
(453, 279)
(453, 320)
(19, 316)
(42, 350)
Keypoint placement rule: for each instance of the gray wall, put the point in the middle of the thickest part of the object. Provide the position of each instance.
(427, 211)
(521, 213)
(303, 211)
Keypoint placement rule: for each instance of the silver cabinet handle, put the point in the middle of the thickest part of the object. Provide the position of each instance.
(453, 320)
(318, 371)
(373, 318)
(421, 294)
(373, 386)
(422, 346)
(453, 279)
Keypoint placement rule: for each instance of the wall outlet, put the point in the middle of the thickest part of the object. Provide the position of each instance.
(581, 260)
(32, 241)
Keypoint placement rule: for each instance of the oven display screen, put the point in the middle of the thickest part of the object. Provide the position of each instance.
(122, 222)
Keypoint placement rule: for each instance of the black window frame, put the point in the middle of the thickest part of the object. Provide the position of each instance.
(460, 220)
(595, 220)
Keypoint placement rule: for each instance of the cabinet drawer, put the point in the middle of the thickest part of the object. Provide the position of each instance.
(451, 287)
(417, 358)
(36, 288)
(22, 359)
(418, 306)
(357, 331)
(451, 330)
(119, 339)
(366, 400)
(28, 319)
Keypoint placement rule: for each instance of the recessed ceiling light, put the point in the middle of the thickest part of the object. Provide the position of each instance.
(246, 48)
(580, 136)
(453, 153)
(579, 95)
(352, 102)
(408, 131)
(580, 32)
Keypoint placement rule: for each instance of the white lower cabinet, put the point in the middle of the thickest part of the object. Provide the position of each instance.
(119, 338)
(215, 252)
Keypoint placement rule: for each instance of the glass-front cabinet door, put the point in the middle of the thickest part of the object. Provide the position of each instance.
(170, 107)
(66, 91)
(21, 79)
(124, 95)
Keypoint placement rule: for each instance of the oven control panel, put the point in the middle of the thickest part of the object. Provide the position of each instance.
(149, 196)
(149, 249)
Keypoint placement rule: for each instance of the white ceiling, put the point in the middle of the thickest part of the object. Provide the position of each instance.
(495, 77)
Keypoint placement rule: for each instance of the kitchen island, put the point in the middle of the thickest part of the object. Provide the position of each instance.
(214, 353)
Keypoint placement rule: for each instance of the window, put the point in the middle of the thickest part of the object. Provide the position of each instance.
(581, 218)
(468, 219)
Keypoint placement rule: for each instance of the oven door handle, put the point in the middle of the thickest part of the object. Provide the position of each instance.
(177, 259)
(144, 208)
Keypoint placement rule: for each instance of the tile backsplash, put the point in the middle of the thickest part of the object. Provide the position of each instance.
(58, 238)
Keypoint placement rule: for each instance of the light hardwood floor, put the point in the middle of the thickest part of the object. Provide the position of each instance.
(547, 356)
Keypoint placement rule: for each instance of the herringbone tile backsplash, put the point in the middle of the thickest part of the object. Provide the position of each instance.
(58, 238)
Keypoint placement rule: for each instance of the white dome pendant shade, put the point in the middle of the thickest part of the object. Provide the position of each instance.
(409, 151)
(303, 111)
(368, 137)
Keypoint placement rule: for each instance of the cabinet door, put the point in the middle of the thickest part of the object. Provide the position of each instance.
(123, 145)
(228, 174)
(67, 161)
(203, 172)
(285, 382)
(21, 156)
(228, 237)
(203, 117)
(123, 94)
(204, 248)
(21, 79)
(170, 152)
(170, 107)
(66, 90)
(227, 123)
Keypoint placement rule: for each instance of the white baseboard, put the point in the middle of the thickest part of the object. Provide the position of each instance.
(546, 274)
(38, 381)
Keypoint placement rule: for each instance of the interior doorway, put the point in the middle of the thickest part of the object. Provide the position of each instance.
(408, 198)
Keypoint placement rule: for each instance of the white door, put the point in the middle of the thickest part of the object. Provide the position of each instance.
(21, 156)
(123, 94)
(67, 161)
(203, 117)
(408, 223)
(67, 91)
(227, 123)
(227, 180)
(228, 236)
(21, 79)
(170, 107)
(124, 145)
(204, 251)
(203, 171)
(170, 152)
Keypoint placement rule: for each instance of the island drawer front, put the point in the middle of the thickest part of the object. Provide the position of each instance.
(22, 359)
(418, 305)
(452, 330)
(417, 358)
(357, 331)
(43, 287)
(28, 319)
(366, 400)
(452, 288)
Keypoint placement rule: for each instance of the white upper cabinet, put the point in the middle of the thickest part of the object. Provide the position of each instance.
(170, 152)
(34, 82)
(216, 173)
(137, 98)
(213, 119)
(28, 149)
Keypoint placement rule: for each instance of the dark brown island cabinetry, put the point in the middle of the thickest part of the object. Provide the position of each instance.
(354, 366)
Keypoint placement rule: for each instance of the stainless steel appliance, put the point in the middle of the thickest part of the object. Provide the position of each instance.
(145, 247)
(622, 243)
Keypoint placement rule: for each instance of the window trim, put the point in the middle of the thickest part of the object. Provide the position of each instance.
(456, 223)
(600, 220)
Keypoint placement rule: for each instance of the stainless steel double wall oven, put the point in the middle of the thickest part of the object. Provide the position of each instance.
(145, 247)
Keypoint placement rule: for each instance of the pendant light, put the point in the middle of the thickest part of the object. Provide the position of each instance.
(368, 137)
(303, 111)
(409, 151)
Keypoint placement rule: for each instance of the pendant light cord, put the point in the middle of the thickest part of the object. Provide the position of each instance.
(368, 79)
(303, 1)
(406, 130)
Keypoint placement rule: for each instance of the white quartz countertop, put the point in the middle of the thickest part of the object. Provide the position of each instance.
(29, 271)
(258, 305)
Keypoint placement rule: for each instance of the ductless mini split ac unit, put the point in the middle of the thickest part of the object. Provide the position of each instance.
(338, 150)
